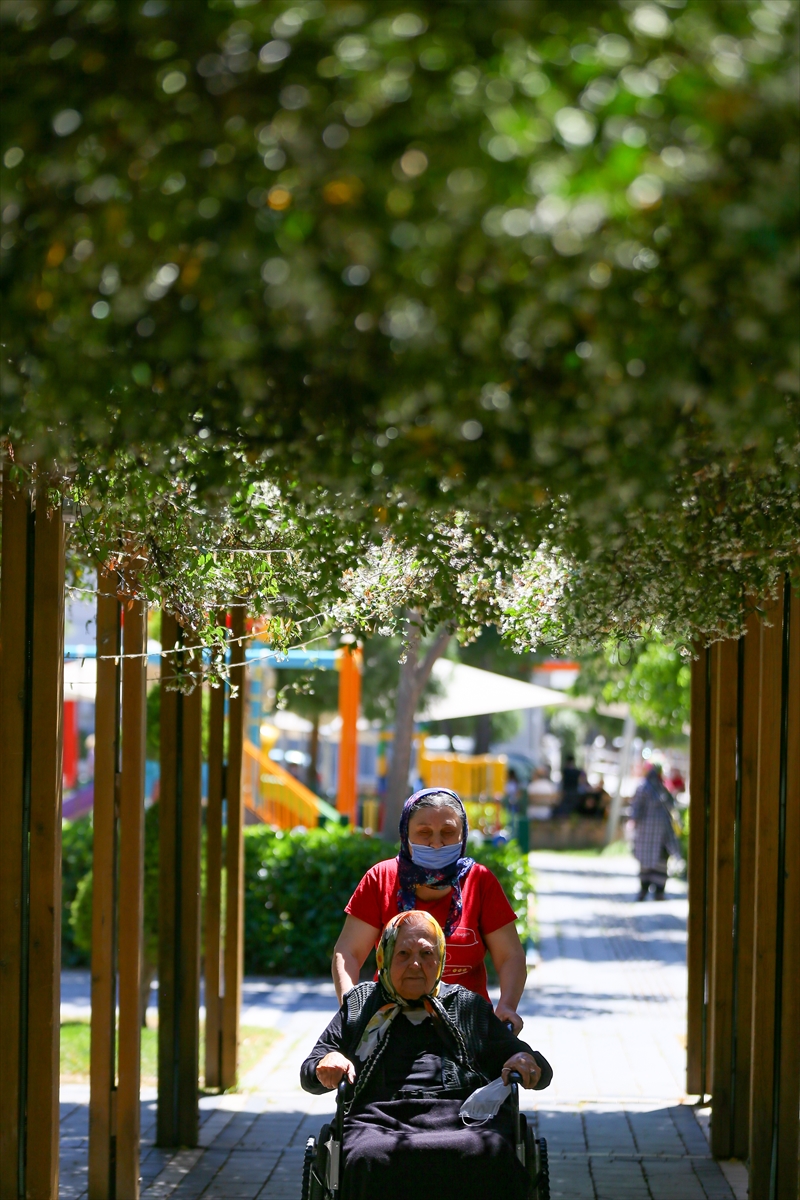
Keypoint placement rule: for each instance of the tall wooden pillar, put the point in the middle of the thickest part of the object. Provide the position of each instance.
(699, 826)
(32, 690)
(213, 912)
(189, 990)
(769, 888)
(234, 856)
(745, 856)
(16, 600)
(724, 721)
(102, 1095)
(787, 1050)
(171, 753)
(118, 870)
(44, 903)
(131, 886)
(179, 901)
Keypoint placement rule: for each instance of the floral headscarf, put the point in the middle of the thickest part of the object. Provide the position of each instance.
(417, 1010)
(410, 875)
(385, 952)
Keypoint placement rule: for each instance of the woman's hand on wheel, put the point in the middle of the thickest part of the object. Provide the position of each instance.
(527, 1066)
(333, 1068)
(508, 1015)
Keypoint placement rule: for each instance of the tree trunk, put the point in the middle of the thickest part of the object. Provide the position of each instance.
(483, 733)
(413, 677)
(313, 753)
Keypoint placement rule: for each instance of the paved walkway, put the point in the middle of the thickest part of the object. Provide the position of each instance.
(606, 1005)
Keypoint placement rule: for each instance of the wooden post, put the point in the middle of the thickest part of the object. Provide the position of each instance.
(44, 905)
(749, 706)
(16, 600)
(762, 1059)
(788, 1047)
(102, 1092)
(131, 885)
(171, 755)
(724, 673)
(216, 793)
(179, 903)
(234, 856)
(699, 747)
(188, 1126)
(349, 700)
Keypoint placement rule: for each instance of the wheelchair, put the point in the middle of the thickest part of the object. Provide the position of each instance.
(322, 1163)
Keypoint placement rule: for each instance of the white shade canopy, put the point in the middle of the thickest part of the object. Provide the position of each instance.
(80, 679)
(289, 722)
(469, 692)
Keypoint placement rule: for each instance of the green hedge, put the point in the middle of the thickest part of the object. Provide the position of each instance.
(79, 918)
(76, 864)
(297, 885)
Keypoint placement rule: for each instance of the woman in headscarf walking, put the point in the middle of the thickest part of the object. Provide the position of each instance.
(433, 873)
(654, 838)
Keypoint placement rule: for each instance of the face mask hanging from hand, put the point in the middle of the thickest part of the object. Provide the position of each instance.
(434, 860)
(484, 1104)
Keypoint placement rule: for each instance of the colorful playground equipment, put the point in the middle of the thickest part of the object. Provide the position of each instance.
(480, 780)
(473, 776)
(275, 790)
(271, 793)
(273, 796)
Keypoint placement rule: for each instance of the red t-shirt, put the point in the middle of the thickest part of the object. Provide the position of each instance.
(484, 909)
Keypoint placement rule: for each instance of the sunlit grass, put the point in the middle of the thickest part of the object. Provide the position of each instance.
(75, 1045)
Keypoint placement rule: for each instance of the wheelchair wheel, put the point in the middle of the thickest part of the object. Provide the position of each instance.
(315, 1163)
(543, 1171)
(308, 1162)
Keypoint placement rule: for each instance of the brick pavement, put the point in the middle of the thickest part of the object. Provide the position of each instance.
(606, 1005)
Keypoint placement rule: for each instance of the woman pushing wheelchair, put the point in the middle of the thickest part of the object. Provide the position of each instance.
(433, 873)
(414, 1050)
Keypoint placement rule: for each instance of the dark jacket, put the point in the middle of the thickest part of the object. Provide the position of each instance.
(489, 1043)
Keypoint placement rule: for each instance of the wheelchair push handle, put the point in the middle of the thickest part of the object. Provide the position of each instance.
(515, 1080)
(514, 1077)
(343, 1092)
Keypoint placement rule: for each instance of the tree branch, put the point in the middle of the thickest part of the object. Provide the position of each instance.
(435, 651)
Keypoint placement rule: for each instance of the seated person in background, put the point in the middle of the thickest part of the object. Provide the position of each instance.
(674, 782)
(573, 786)
(513, 791)
(595, 801)
(542, 792)
(415, 1049)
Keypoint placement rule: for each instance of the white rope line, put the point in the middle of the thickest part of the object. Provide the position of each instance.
(195, 650)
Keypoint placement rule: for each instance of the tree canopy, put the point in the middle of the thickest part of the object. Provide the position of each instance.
(650, 676)
(524, 260)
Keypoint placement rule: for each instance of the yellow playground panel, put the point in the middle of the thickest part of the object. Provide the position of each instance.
(273, 795)
(479, 779)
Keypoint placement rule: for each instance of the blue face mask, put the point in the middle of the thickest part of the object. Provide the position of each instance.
(435, 860)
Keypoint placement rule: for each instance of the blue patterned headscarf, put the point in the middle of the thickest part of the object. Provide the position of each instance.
(410, 875)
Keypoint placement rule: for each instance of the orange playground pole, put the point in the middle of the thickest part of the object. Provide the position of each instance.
(349, 665)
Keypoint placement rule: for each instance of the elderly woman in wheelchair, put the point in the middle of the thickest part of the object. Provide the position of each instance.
(405, 1054)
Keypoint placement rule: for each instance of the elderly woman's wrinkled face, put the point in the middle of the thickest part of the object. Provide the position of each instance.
(415, 962)
(435, 827)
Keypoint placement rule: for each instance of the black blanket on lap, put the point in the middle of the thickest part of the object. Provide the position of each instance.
(394, 1147)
